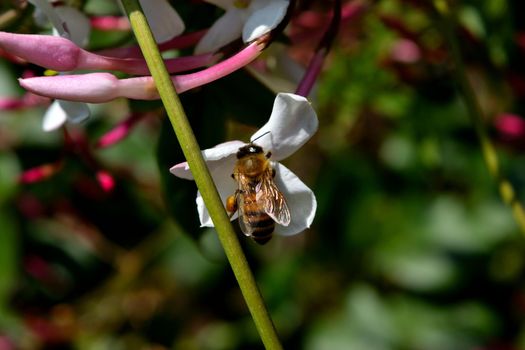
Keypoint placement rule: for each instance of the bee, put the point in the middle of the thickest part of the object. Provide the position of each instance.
(257, 199)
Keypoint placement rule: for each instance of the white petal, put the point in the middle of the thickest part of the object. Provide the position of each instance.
(292, 122)
(213, 157)
(77, 24)
(76, 111)
(54, 117)
(300, 199)
(287, 67)
(51, 14)
(225, 30)
(264, 19)
(222, 150)
(164, 21)
(226, 186)
(182, 170)
(40, 18)
(60, 111)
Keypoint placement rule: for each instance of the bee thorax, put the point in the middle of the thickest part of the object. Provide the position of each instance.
(252, 166)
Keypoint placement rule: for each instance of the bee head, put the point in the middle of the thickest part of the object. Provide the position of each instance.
(249, 149)
(252, 148)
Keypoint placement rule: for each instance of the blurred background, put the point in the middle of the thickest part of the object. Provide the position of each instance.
(411, 247)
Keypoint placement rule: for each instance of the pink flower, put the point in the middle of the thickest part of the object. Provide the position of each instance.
(104, 87)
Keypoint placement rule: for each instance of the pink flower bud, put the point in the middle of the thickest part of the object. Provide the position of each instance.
(405, 51)
(110, 23)
(119, 132)
(510, 126)
(6, 343)
(105, 180)
(104, 87)
(11, 103)
(91, 88)
(39, 173)
(61, 54)
(44, 50)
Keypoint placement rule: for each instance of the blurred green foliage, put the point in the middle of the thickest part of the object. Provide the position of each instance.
(411, 247)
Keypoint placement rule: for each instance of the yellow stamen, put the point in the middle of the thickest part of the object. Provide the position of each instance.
(50, 72)
(241, 4)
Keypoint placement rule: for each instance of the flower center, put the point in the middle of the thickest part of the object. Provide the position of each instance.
(241, 4)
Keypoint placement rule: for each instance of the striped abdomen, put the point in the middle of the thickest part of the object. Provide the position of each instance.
(259, 225)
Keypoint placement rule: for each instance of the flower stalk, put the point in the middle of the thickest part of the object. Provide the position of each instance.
(316, 63)
(490, 156)
(202, 176)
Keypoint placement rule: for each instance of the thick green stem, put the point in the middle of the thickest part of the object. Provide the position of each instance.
(202, 176)
(488, 150)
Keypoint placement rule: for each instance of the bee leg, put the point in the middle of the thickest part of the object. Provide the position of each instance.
(231, 204)
(273, 172)
(268, 155)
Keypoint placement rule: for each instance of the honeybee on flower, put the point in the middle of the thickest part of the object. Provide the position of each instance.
(292, 123)
(258, 200)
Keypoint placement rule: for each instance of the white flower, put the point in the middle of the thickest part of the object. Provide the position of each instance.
(165, 23)
(292, 122)
(251, 18)
(72, 24)
(61, 111)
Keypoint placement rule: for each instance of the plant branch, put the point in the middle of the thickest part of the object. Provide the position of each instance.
(202, 176)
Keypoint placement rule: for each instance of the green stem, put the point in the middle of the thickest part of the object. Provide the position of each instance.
(506, 189)
(202, 176)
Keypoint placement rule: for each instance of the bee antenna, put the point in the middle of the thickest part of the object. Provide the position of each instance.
(258, 137)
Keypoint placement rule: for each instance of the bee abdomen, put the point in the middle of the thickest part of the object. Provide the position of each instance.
(262, 226)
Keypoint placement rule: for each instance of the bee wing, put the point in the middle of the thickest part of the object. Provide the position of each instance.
(272, 199)
(243, 219)
(244, 222)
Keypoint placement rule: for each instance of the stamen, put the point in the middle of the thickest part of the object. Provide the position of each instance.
(241, 4)
(50, 72)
